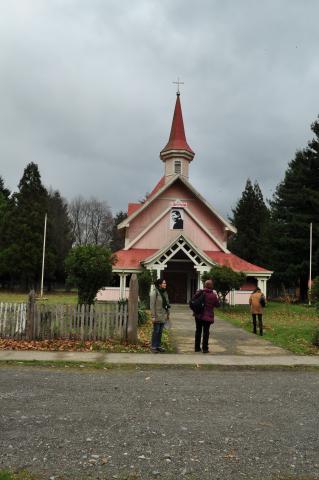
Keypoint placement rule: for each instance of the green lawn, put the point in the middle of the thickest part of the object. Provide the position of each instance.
(293, 327)
(66, 298)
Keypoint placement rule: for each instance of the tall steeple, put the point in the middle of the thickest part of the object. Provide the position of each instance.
(177, 154)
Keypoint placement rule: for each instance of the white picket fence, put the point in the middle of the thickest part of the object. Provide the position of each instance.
(84, 322)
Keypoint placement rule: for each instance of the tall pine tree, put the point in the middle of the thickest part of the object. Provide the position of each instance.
(23, 236)
(59, 238)
(294, 206)
(251, 218)
(4, 208)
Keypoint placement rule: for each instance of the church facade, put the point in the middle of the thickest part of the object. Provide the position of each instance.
(178, 233)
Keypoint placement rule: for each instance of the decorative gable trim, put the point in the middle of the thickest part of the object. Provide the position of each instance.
(165, 254)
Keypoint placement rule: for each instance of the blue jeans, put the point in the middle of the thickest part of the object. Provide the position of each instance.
(157, 334)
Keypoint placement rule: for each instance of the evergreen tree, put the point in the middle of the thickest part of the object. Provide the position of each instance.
(4, 208)
(59, 238)
(294, 206)
(117, 236)
(4, 192)
(251, 218)
(23, 229)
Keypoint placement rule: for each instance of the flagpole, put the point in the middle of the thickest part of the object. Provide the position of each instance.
(43, 254)
(310, 262)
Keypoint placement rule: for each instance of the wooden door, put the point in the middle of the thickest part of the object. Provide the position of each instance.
(176, 286)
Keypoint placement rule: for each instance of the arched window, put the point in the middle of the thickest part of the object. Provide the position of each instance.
(177, 167)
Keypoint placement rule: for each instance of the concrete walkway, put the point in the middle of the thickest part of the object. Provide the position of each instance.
(225, 338)
(195, 360)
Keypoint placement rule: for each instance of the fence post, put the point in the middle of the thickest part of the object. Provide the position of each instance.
(30, 315)
(132, 310)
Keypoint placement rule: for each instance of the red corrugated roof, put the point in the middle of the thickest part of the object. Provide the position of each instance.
(133, 257)
(177, 138)
(132, 207)
(234, 262)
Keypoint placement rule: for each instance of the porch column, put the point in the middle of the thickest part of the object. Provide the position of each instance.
(200, 271)
(262, 284)
(158, 269)
(122, 285)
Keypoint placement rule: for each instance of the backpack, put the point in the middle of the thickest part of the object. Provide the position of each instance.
(197, 304)
(262, 301)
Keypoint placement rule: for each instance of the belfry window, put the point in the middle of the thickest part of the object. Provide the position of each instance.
(177, 167)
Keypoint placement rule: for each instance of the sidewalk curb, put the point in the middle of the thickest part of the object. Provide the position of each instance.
(162, 359)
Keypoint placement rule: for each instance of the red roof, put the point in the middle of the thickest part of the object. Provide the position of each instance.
(132, 207)
(234, 262)
(157, 187)
(133, 257)
(177, 138)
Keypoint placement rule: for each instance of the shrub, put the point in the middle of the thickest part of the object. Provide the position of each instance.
(89, 268)
(145, 280)
(225, 279)
(142, 313)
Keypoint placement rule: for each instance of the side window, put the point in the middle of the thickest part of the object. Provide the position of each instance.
(178, 167)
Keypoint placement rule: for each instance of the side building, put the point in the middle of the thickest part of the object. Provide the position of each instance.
(177, 233)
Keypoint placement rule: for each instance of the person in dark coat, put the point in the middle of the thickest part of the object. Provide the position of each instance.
(206, 318)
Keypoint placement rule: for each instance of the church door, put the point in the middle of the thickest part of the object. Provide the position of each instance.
(176, 286)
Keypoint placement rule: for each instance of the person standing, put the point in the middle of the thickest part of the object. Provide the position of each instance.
(159, 305)
(205, 319)
(257, 302)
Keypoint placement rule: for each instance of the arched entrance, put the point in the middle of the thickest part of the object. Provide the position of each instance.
(181, 278)
(181, 264)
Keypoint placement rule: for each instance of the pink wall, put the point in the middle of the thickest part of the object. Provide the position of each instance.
(161, 233)
(110, 294)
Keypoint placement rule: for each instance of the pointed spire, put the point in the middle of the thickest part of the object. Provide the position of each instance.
(177, 138)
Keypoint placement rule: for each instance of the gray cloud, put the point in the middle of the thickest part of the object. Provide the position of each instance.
(86, 92)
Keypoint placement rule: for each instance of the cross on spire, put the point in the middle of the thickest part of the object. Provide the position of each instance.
(178, 83)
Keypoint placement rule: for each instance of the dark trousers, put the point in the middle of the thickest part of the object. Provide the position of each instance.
(157, 334)
(260, 322)
(202, 329)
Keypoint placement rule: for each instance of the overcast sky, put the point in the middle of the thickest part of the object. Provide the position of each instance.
(86, 92)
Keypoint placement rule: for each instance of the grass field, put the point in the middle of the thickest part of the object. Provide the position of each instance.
(292, 327)
(60, 297)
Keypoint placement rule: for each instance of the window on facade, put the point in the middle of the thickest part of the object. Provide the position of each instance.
(178, 167)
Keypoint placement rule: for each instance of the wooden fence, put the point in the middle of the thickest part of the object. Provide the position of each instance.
(85, 322)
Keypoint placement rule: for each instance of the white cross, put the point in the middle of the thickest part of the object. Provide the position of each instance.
(178, 83)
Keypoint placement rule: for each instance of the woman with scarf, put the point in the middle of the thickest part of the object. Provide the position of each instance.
(160, 306)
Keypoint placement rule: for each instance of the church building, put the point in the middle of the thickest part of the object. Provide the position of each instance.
(178, 233)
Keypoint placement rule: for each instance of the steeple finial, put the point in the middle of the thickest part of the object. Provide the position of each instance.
(178, 83)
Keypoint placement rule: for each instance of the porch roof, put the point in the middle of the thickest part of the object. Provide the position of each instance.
(127, 259)
(235, 263)
(131, 259)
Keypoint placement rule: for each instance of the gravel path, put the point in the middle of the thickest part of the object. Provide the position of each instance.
(165, 423)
